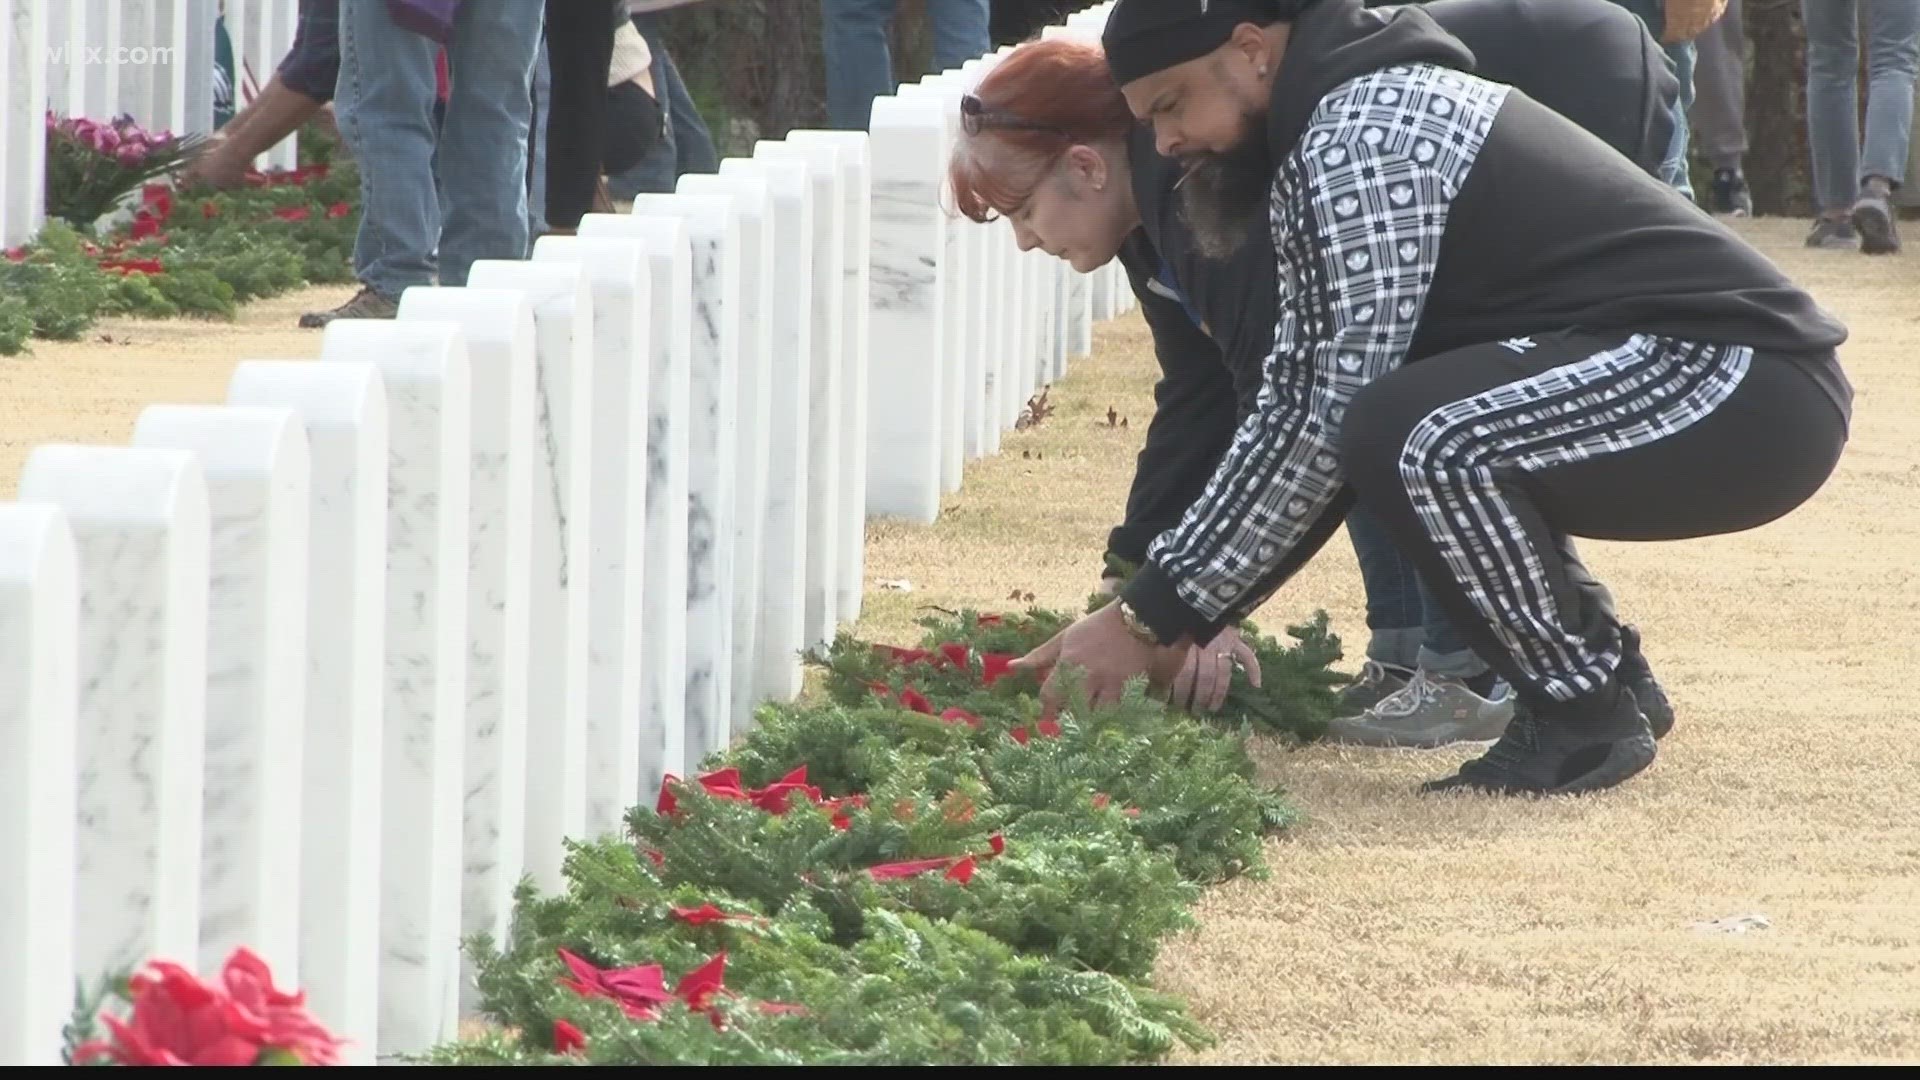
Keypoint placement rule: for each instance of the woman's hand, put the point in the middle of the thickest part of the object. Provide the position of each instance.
(1688, 19)
(1207, 674)
(1107, 654)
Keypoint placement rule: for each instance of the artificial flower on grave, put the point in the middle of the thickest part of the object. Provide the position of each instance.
(177, 1018)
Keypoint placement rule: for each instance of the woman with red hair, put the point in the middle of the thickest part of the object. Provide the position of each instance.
(1422, 684)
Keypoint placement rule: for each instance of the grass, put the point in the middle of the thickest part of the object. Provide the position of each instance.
(1457, 930)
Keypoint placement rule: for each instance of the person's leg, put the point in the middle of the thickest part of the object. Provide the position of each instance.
(1720, 109)
(579, 50)
(483, 152)
(1893, 56)
(537, 144)
(960, 31)
(1393, 613)
(1677, 171)
(1476, 459)
(1833, 127)
(853, 36)
(383, 101)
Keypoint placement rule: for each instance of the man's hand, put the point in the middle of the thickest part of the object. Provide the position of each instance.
(1106, 654)
(1201, 686)
(1688, 19)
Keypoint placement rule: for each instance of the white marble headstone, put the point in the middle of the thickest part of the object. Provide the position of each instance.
(956, 272)
(750, 435)
(496, 326)
(430, 417)
(907, 378)
(39, 707)
(669, 345)
(621, 283)
(562, 553)
(23, 117)
(258, 485)
(140, 528)
(713, 229)
(856, 188)
(781, 611)
(826, 385)
(344, 409)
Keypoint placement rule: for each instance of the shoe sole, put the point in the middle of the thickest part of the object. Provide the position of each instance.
(1876, 229)
(1346, 733)
(1626, 759)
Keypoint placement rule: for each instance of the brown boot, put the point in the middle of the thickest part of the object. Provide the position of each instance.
(366, 304)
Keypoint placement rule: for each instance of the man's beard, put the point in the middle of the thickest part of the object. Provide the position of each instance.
(1223, 198)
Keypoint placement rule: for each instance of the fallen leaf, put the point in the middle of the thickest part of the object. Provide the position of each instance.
(897, 585)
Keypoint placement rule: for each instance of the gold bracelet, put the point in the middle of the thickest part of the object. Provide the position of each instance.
(1137, 626)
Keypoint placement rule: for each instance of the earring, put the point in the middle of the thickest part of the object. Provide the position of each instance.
(1263, 71)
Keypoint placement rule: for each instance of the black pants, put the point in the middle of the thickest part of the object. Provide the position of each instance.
(1485, 461)
(579, 52)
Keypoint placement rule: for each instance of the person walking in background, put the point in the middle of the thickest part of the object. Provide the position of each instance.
(1720, 110)
(684, 144)
(433, 201)
(1854, 180)
(860, 65)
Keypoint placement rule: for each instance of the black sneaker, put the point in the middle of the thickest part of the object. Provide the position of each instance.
(1635, 674)
(1560, 753)
(1730, 193)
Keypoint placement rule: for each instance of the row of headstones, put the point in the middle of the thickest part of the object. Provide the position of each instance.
(323, 670)
(97, 59)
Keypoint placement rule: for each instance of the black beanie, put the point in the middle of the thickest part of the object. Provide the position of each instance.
(1145, 36)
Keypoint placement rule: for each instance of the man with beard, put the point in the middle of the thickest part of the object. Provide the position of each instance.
(1210, 305)
(1493, 331)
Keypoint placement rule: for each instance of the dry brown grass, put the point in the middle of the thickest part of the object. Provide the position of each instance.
(1459, 930)
(1462, 930)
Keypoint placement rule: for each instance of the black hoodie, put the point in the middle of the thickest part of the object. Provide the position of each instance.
(1592, 61)
(1421, 210)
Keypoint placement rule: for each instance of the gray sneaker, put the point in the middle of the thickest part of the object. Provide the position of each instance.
(1375, 681)
(1429, 711)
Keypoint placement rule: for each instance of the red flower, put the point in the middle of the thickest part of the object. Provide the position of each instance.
(339, 209)
(1020, 735)
(1101, 799)
(133, 266)
(915, 700)
(145, 225)
(293, 213)
(1048, 728)
(659, 858)
(702, 915)
(995, 666)
(961, 871)
(568, 1039)
(958, 715)
(698, 987)
(955, 654)
(16, 254)
(902, 656)
(639, 991)
(157, 198)
(179, 1020)
(959, 868)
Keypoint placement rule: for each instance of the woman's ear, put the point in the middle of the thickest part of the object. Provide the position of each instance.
(1088, 165)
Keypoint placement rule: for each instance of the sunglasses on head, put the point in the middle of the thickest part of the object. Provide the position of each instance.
(975, 118)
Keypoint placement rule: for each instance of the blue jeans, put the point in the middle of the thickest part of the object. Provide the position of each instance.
(685, 146)
(1409, 628)
(1840, 160)
(1674, 170)
(859, 64)
(432, 203)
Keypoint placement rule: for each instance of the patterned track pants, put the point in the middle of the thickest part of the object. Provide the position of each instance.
(1486, 460)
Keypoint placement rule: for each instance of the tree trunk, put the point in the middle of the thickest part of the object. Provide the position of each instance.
(1777, 159)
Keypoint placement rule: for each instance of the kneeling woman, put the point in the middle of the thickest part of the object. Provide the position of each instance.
(1492, 331)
